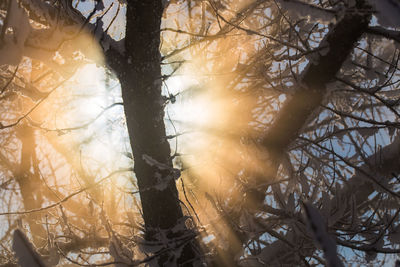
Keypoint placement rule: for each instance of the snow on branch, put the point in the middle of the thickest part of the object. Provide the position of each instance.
(298, 10)
(52, 30)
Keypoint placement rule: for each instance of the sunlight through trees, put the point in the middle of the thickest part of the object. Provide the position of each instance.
(199, 133)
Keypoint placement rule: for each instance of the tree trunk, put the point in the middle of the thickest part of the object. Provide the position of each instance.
(139, 73)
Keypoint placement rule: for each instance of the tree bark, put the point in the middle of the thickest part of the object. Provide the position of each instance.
(139, 73)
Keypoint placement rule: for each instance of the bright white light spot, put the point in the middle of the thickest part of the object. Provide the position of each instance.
(91, 91)
(282, 98)
(192, 108)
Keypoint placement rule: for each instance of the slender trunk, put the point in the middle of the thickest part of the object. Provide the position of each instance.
(139, 73)
(144, 111)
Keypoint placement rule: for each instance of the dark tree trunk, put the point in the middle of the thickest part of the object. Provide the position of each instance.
(139, 73)
(144, 111)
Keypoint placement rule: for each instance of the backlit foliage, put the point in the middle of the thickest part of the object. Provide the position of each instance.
(230, 69)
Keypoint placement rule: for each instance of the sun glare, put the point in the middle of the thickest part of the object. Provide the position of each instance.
(192, 106)
(91, 78)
